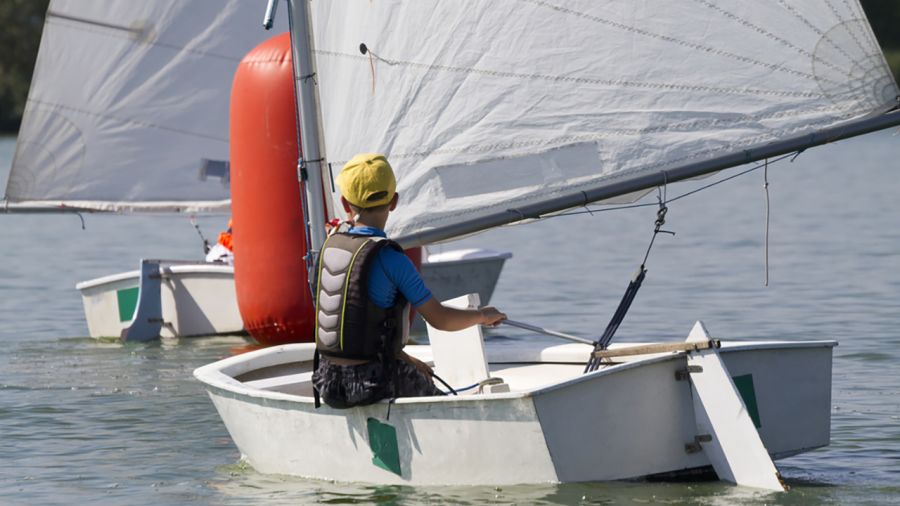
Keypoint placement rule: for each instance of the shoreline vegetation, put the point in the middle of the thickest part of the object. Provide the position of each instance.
(21, 22)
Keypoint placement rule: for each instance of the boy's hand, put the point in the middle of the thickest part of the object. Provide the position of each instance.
(422, 367)
(490, 316)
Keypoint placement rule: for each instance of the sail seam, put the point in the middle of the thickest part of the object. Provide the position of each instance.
(120, 33)
(817, 30)
(421, 221)
(669, 38)
(55, 106)
(840, 114)
(850, 26)
(768, 34)
(619, 83)
(858, 12)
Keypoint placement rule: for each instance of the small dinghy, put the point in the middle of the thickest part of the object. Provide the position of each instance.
(189, 299)
(535, 416)
(499, 113)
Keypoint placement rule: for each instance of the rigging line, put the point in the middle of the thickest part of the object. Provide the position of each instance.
(193, 220)
(729, 178)
(669, 38)
(635, 284)
(660, 218)
(372, 69)
(683, 195)
(766, 187)
(435, 376)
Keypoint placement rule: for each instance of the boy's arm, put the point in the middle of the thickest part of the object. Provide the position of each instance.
(451, 319)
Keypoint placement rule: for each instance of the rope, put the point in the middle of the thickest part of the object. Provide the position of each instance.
(435, 376)
(766, 188)
(633, 286)
(588, 210)
(193, 220)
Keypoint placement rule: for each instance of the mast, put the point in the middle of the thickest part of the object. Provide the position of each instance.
(610, 189)
(312, 155)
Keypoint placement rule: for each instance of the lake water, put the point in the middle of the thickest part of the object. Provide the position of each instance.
(82, 420)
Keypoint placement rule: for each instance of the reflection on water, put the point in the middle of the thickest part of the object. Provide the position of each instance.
(84, 420)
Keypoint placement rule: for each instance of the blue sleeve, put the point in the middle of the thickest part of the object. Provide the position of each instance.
(402, 273)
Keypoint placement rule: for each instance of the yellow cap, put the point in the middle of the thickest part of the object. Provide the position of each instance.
(367, 180)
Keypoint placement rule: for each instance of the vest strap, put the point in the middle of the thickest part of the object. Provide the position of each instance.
(316, 399)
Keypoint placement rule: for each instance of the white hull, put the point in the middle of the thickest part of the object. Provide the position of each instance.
(198, 299)
(555, 425)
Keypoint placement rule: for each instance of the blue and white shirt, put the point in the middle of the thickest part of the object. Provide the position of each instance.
(391, 273)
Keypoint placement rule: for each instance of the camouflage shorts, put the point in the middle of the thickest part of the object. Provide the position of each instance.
(345, 386)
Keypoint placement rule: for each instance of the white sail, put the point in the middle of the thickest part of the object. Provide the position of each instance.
(128, 108)
(483, 106)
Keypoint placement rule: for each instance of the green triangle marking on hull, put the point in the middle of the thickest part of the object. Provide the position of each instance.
(383, 441)
(127, 299)
(744, 386)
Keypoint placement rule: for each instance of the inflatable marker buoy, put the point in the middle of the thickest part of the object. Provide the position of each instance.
(269, 238)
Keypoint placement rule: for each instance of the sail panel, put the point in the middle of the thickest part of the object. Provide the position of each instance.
(488, 106)
(128, 108)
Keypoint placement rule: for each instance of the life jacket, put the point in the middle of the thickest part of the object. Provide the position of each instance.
(225, 238)
(348, 323)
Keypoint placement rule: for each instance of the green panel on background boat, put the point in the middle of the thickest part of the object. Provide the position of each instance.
(744, 385)
(127, 298)
(383, 441)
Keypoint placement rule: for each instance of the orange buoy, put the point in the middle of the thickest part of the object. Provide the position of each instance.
(270, 272)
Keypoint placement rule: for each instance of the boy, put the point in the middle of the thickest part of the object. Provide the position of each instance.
(365, 287)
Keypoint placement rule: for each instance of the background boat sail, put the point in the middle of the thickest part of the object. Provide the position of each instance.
(128, 113)
(499, 112)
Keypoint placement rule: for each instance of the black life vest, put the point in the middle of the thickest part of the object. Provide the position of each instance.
(348, 323)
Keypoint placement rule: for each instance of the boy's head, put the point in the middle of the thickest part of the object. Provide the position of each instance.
(367, 181)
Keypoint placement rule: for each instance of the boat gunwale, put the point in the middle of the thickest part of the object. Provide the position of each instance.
(480, 257)
(213, 377)
(198, 267)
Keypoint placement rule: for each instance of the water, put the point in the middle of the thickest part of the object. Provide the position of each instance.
(82, 420)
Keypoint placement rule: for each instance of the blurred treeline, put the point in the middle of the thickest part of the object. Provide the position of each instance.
(884, 16)
(21, 22)
(20, 33)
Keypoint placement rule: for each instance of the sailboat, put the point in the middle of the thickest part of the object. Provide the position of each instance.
(496, 113)
(128, 113)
